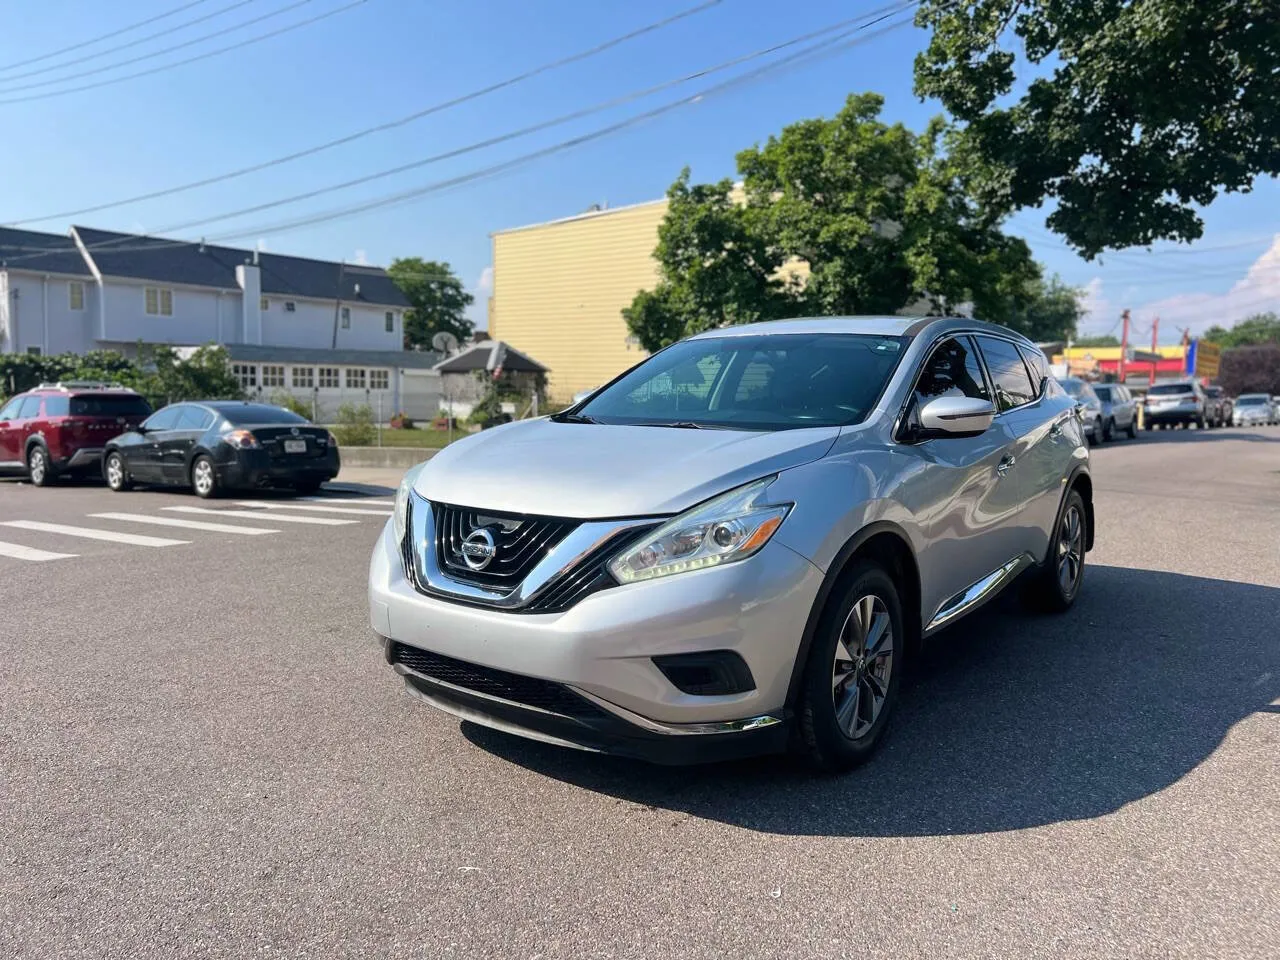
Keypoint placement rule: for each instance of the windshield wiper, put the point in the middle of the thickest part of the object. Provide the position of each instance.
(573, 418)
(677, 424)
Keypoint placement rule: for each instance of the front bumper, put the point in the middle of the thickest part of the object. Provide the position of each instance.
(599, 652)
(250, 469)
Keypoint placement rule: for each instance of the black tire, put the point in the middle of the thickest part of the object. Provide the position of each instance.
(204, 478)
(1133, 429)
(1109, 430)
(306, 489)
(825, 743)
(39, 469)
(1046, 590)
(1148, 426)
(115, 472)
(1199, 423)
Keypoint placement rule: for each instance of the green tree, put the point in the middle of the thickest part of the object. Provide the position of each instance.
(1052, 312)
(1124, 114)
(1107, 341)
(438, 301)
(845, 215)
(1251, 331)
(205, 375)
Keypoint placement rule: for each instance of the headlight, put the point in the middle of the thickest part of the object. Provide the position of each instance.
(733, 526)
(400, 515)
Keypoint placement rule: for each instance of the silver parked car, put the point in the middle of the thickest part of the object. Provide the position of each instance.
(1119, 410)
(1090, 408)
(734, 546)
(1254, 409)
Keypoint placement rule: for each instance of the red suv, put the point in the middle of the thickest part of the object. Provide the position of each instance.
(62, 427)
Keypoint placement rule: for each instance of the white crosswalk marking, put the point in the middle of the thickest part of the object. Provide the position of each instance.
(370, 501)
(93, 533)
(185, 524)
(258, 515)
(355, 511)
(18, 552)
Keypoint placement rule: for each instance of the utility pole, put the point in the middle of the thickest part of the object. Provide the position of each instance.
(1124, 342)
(1155, 335)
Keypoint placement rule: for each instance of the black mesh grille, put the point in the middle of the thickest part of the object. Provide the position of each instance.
(529, 691)
(519, 542)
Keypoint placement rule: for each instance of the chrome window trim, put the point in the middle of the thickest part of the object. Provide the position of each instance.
(560, 560)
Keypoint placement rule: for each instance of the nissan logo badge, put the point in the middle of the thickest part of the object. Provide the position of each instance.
(478, 549)
(294, 431)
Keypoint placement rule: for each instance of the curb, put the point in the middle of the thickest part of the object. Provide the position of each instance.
(374, 457)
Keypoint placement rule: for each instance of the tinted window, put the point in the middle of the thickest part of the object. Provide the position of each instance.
(30, 408)
(260, 413)
(1213, 391)
(774, 382)
(1103, 393)
(1013, 383)
(1038, 366)
(1251, 401)
(165, 419)
(1169, 389)
(193, 418)
(10, 410)
(109, 405)
(1073, 387)
(952, 370)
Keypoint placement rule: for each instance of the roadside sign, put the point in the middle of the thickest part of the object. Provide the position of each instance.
(1207, 358)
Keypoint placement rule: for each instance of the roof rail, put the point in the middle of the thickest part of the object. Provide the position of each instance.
(80, 385)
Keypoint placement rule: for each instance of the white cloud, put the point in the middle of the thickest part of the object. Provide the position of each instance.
(1257, 292)
(484, 286)
(361, 259)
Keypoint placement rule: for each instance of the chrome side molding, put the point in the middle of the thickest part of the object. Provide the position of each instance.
(978, 593)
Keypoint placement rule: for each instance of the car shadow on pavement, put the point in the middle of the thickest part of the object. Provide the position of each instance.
(1010, 720)
(1247, 434)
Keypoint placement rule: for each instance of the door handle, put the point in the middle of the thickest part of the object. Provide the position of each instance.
(1005, 463)
(1056, 430)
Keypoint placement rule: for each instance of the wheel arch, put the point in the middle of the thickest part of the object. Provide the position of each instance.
(35, 440)
(1080, 481)
(887, 543)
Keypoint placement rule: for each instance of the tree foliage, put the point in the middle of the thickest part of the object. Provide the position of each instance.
(1125, 114)
(1252, 369)
(847, 215)
(1257, 329)
(159, 373)
(1052, 312)
(1106, 341)
(438, 301)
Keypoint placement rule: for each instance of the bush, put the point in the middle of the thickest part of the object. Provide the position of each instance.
(282, 398)
(401, 422)
(355, 427)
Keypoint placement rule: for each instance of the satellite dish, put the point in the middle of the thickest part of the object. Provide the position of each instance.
(444, 342)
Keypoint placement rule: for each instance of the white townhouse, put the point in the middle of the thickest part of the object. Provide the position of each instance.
(327, 332)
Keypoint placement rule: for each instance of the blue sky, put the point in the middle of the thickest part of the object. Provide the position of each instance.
(383, 59)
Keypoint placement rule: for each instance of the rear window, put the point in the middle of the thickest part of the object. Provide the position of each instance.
(259, 413)
(109, 405)
(1168, 390)
(1103, 393)
(1251, 401)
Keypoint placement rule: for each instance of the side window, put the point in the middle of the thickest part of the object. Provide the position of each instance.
(952, 370)
(57, 406)
(1038, 366)
(10, 410)
(165, 419)
(1008, 373)
(30, 409)
(193, 418)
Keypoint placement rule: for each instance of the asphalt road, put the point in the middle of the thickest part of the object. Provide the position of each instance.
(202, 755)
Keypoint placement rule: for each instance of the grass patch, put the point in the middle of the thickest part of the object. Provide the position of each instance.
(422, 439)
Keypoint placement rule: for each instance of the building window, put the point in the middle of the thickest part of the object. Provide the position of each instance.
(159, 301)
(246, 373)
(264, 304)
(34, 351)
(346, 318)
(304, 377)
(290, 306)
(391, 322)
(272, 376)
(75, 295)
(328, 378)
(355, 378)
(378, 380)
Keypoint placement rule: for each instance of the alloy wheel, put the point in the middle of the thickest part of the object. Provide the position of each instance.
(1070, 550)
(863, 666)
(115, 473)
(36, 466)
(202, 477)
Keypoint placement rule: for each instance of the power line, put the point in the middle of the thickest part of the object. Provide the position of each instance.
(125, 46)
(155, 53)
(106, 36)
(182, 63)
(519, 133)
(845, 39)
(389, 125)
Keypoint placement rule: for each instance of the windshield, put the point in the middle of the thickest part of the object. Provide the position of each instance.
(774, 382)
(1076, 388)
(1251, 401)
(259, 413)
(109, 405)
(1168, 389)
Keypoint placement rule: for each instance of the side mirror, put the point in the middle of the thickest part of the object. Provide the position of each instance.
(956, 417)
(140, 428)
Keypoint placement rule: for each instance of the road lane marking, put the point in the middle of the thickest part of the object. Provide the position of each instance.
(93, 533)
(18, 552)
(356, 511)
(186, 524)
(370, 501)
(257, 515)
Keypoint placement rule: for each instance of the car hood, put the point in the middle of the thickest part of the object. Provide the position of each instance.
(593, 471)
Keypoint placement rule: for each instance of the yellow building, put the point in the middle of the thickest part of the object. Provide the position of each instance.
(559, 289)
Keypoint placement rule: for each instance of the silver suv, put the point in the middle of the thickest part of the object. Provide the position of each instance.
(736, 546)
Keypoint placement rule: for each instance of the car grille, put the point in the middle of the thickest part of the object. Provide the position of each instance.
(512, 687)
(590, 576)
(519, 542)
